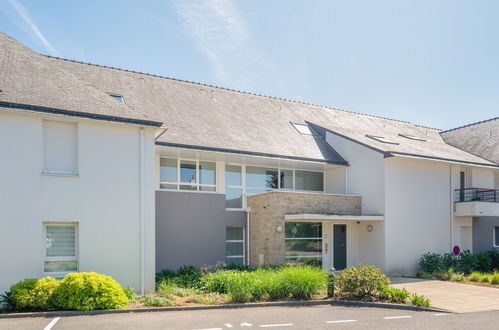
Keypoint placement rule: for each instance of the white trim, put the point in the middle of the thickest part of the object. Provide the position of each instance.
(296, 257)
(461, 163)
(494, 243)
(196, 184)
(66, 174)
(333, 217)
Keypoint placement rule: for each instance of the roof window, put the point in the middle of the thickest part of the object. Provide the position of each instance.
(304, 129)
(412, 137)
(381, 139)
(117, 97)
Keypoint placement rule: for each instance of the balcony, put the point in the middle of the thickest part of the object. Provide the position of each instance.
(476, 202)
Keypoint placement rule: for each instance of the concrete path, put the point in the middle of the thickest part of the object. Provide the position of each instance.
(453, 297)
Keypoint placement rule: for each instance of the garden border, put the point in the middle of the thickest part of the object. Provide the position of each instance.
(345, 303)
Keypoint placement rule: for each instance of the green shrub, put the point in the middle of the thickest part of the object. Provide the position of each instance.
(419, 301)
(33, 294)
(442, 276)
(129, 292)
(466, 262)
(88, 291)
(271, 283)
(157, 301)
(429, 277)
(6, 302)
(494, 278)
(485, 278)
(363, 282)
(449, 261)
(302, 282)
(475, 276)
(189, 276)
(457, 277)
(165, 274)
(239, 285)
(392, 294)
(494, 259)
(483, 262)
(431, 262)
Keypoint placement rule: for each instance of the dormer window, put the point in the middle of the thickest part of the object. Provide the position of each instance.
(304, 129)
(117, 97)
(411, 137)
(381, 139)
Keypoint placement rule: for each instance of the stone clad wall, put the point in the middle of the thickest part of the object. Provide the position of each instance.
(268, 211)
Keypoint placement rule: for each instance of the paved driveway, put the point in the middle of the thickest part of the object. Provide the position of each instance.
(454, 297)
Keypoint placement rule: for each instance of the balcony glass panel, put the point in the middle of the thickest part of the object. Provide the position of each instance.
(261, 177)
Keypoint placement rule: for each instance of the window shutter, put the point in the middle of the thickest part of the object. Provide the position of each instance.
(60, 145)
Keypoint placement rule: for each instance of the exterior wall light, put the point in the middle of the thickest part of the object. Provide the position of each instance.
(370, 228)
(279, 229)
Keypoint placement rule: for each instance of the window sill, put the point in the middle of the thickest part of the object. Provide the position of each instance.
(65, 174)
(190, 191)
(57, 275)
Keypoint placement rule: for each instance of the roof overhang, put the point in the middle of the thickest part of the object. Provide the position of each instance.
(438, 159)
(332, 217)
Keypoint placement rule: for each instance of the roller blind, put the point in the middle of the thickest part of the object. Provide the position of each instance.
(60, 241)
(60, 147)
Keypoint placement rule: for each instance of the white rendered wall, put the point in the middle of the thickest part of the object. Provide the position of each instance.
(417, 212)
(365, 173)
(482, 178)
(103, 199)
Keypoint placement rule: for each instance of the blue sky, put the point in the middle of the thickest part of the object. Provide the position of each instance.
(434, 63)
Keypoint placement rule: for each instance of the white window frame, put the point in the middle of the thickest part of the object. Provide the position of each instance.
(495, 244)
(46, 258)
(236, 241)
(321, 239)
(244, 188)
(198, 185)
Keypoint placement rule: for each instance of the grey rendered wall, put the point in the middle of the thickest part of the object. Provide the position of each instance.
(190, 228)
(483, 233)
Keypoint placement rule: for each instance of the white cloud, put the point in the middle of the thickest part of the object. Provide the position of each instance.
(24, 17)
(220, 31)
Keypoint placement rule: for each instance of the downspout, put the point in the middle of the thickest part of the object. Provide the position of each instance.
(451, 199)
(142, 229)
(248, 210)
(346, 180)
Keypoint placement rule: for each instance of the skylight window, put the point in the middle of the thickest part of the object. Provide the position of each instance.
(304, 129)
(117, 97)
(412, 137)
(381, 139)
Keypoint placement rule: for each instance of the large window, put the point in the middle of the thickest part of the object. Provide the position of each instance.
(60, 248)
(234, 245)
(181, 174)
(60, 147)
(303, 242)
(250, 180)
(496, 236)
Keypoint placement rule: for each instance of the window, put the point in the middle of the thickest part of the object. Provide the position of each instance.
(117, 97)
(261, 179)
(304, 129)
(59, 147)
(496, 236)
(303, 242)
(381, 139)
(412, 137)
(193, 175)
(234, 245)
(60, 248)
(233, 187)
(311, 181)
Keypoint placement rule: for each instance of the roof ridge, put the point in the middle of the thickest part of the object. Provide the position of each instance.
(468, 125)
(238, 91)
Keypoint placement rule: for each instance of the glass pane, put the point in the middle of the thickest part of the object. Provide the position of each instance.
(261, 177)
(168, 169)
(188, 187)
(234, 249)
(305, 180)
(201, 188)
(59, 266)
(286, 179)
(167, 186)
(60, 241)
(496, 231)
(188, 171)
(256, 191)
(233, 175)
(303, 230)
(207, 172)
(304, 247)
(314, 261)
(234, 261)
(234, 233)
(233, 198)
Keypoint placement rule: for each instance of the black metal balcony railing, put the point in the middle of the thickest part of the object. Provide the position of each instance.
(476, 195)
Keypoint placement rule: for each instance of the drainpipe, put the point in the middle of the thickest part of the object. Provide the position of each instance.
(451, 177)
(248, 210)
(142, 230)
(346, 180)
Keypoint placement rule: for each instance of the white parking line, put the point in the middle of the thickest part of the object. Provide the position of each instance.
(397, 317)
(341, 321)
(51, 323)
(441, 314)
(210, 329)
(228, 325)
(276, 325)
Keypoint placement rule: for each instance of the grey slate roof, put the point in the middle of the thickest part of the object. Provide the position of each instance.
(28, 78)
(214, 118)
(481, 139)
